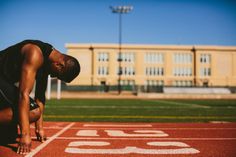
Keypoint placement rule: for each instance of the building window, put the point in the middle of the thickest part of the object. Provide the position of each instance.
(103, 57)
(102, 70)
(205, 58)
(154, 58)
(127, 82)
(127, 71)
(182, 58)
(154, 82)
(126, 57)
(182, 71)
(154, 71)
(205, 71)
(182, 83)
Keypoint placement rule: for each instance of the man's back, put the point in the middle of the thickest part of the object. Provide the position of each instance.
(11, 59)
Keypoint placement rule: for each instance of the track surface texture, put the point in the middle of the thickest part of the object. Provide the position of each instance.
(69, 139)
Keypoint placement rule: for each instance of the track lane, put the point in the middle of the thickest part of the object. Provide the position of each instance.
(218, 140)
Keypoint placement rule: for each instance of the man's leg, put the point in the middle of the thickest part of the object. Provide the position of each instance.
(9, 104)
(9, 110)
(6, 115)
(8, 125)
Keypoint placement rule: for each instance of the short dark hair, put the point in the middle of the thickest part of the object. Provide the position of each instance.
(71, 70)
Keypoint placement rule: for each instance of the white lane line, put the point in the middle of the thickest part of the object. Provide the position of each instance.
(135, 107)
(117, 125)
(218, 122)
(143, 128)
(185, 104)
(41, 146)
(145, 138)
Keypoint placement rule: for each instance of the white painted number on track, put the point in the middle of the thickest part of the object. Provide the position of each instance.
(142, 133)
(121, 133)
(87, 133)
(118, 125)
(129, 149)
(77, 147)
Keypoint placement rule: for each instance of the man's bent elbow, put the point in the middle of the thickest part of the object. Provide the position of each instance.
(24, 96)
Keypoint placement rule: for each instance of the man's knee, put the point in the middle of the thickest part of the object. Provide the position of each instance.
(35, 115)
(6, 116)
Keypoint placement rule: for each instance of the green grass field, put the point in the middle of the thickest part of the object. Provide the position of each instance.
(120, 110)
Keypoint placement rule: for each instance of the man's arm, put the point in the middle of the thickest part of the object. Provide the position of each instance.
(32, 60)
(41, 85)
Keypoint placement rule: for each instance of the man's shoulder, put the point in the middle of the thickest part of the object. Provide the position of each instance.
(31, 49)
(32, 54)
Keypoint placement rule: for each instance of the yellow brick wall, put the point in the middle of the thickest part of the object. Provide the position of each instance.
(222, 63)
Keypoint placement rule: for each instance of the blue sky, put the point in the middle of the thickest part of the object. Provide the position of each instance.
(176, 22)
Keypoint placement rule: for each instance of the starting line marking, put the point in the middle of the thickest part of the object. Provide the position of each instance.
(41, 146)
(117, 125)
(139, 117)
(126, 128)
(143, 138)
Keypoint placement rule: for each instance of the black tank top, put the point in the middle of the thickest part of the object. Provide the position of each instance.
(11, 59)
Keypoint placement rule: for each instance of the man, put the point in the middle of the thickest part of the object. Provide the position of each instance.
(25, 63)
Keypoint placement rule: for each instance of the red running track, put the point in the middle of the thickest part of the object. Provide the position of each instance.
(69, 139)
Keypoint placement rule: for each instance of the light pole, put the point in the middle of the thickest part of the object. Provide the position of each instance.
(120, 10)
(194, 66)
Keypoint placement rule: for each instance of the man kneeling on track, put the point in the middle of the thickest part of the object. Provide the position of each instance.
(27, 62)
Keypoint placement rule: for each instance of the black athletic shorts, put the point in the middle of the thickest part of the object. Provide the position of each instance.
(9, 97)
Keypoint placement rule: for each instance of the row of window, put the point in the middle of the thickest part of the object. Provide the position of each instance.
(177, 83)
(178, 58)
(128, 71)
(182, 58)
(154, 58)
(154, 71)
(125, 57)
(103, 57)
(182, 71)
(205, 58)
(127, 82)
(154, 82)
(205, 71)
(103, 70)
(183, 83)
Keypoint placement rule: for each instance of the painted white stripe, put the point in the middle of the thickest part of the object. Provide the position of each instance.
(74, 149)
(88, 143)
(134, 107)
(41, 146)
(145, 138)
(189, 105)
(176, 144)
(144, 133)
(118, 125)
(123, 128)
(139, 117)
(87, 133)
(143, 128)
(128, 150)
(219, 122)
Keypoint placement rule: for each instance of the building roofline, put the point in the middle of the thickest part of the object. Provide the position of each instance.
(149, 46)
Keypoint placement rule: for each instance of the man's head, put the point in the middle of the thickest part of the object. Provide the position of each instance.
(64, 67)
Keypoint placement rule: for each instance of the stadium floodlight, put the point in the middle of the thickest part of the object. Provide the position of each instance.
(120, 10)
